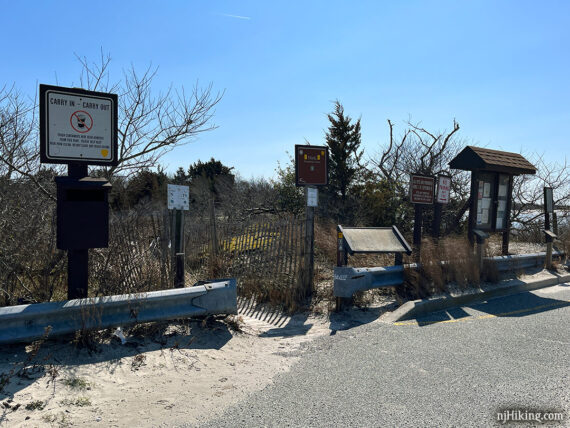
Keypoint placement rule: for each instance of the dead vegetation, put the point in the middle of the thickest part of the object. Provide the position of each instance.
(448, 262)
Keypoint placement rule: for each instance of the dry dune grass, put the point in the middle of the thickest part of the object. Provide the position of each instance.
(448, 260)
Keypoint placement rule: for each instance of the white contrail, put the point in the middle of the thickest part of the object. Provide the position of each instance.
(236, 16)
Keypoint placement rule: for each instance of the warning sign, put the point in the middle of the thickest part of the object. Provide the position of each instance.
(421, 189)
(81, 121)
(77, 126)
(443, 188)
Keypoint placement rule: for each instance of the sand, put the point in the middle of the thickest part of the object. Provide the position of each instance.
(163, 375)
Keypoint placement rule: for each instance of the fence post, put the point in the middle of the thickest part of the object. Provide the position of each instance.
(213, 232)
(436, 225)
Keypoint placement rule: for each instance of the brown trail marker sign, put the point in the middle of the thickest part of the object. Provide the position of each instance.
(311, 169)
(421, 189)
(311, 165)
(421, 193)
(79, 128)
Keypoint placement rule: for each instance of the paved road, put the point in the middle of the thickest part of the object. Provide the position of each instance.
(454, 368)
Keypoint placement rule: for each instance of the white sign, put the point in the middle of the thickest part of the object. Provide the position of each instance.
(312, 197)
(178, 197)
(443, 189)
(78, 125)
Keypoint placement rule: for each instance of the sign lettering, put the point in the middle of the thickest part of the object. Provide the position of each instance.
(421, 189)
(77, 126)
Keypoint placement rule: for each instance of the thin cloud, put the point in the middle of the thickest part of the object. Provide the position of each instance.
(236, 16)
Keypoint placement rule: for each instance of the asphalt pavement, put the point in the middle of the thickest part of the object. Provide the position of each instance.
(461, 367)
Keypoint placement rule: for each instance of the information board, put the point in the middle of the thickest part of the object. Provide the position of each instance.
(421, 189)
(77, 126)
(178, 197)
(311, 165)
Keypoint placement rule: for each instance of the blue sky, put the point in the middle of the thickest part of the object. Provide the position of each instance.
(500, 68)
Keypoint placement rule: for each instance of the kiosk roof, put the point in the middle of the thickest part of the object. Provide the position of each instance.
(473, 158)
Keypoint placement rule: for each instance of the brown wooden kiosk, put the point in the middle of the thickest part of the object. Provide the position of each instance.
(492, 173)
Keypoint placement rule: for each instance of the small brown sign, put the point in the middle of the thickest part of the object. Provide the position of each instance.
(311, 165)
(421, 189)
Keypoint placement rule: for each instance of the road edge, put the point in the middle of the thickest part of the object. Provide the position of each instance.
(415, 308)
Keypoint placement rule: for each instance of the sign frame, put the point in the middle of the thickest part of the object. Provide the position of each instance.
(413, 198)
(317, 177)
(46, 156)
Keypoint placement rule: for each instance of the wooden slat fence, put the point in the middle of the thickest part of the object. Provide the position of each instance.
(265, 254)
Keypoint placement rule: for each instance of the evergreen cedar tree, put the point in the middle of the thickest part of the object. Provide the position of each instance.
(343, 140)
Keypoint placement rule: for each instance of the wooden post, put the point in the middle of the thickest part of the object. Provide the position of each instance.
(77, 273)
(341, 260)
(480, 253)
(548, 253)
(165, 256)
(179, 248)
(340, 250)
(213, 232)
(417, 230)
(436, 225)
(309, 246)
(507, 230)
(472, 209)
(546, 213)
(481, 244)
(78, 259)
(398, 259)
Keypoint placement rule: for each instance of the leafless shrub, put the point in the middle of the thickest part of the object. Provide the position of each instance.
(527, 213)
(137, 259)
(32, 269)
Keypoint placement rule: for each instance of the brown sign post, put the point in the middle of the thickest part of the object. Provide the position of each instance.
(311, 165)
(421, 193)
(311, 169)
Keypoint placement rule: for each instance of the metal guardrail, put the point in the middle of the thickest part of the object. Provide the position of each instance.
(25, 323)
(349, 280)
(523, 261)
